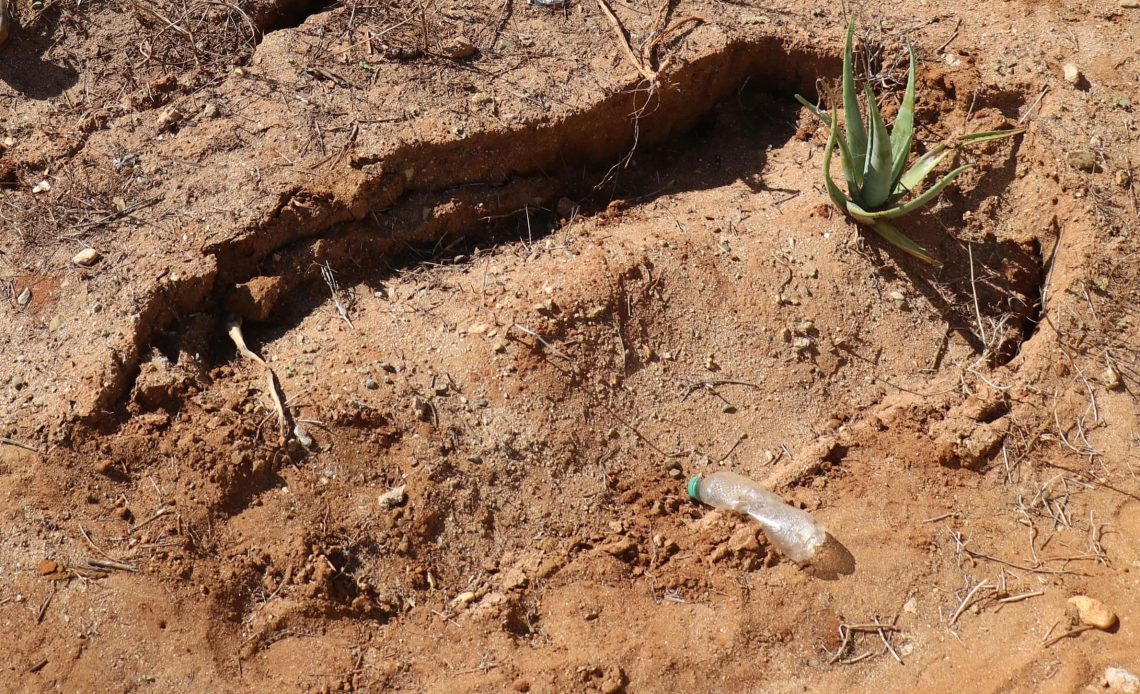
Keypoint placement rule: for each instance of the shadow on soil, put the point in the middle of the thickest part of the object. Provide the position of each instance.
(23, 68)
(987, 290)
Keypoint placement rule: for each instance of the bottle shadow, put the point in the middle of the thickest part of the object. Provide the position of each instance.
(832, 560)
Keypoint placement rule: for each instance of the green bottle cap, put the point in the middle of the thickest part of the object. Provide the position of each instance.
(695, 488)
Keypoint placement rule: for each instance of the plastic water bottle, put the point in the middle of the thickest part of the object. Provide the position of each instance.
(793, 531)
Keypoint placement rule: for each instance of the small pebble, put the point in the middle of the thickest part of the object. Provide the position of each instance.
(1121, 681)
(1072, 73)
(1130, 4)
(168, 118)
(370, 383)
(46, 567)
(464, 598)
(614, 680)
(1111, 378)
(459, 48)
(396, 497)
(1093, 612)
(86, 257)
(24, 297)
(521, 685)
(42, 187)
(1082, 159)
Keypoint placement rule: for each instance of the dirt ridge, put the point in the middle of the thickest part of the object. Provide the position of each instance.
(488, 160)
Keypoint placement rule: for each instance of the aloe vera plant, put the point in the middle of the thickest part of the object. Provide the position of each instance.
(874, 161)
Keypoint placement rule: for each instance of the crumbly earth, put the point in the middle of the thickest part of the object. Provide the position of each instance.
(357, 347)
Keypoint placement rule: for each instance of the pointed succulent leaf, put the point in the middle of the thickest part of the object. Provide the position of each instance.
(833, 191)
(857, 133)
(816, 110)
(867, 216)
(902, 132)
(901, 241)
(988, 135)
(851, 173)
(921, 169)
(878, 177)
(853, 177)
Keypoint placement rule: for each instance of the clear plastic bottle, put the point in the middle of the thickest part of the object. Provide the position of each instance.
(797, 535)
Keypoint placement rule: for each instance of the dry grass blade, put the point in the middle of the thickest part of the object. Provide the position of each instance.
(13, 442)
(968, 600)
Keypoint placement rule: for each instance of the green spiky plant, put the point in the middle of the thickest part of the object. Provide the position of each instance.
(874, 161)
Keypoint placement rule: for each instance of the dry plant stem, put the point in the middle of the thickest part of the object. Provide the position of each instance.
(47, 601)
(969, 600)
(887, 643)
(157, 514)
(665, 35)
(974, 291)
(1072, 632)
(1033, 105)
(623, 40)
(272, 384)
(114, 565)
(1022, 596)
(554, 350)
(1031, 569)
(234, 331)
(944, 516)
(950, 40)
(92, 544)
(155, 14)
(12, 442)
(334, 289)
(870, 628)
(275, 395)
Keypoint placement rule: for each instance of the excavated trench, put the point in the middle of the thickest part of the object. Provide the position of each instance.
(462, 192)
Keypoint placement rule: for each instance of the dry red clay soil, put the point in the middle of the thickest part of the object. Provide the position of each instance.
(369, 346)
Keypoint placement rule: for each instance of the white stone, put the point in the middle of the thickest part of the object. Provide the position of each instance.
(1072, 73)
(1121, 681)
(86, 257)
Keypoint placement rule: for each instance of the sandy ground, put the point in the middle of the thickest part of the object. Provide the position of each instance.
(506, 275)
